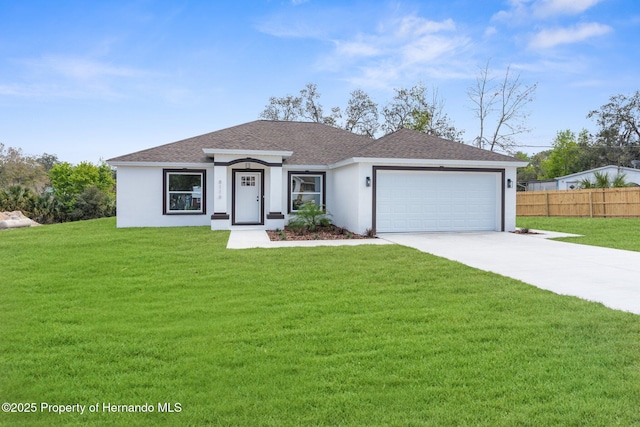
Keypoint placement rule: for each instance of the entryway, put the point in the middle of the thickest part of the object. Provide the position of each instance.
(248, 200)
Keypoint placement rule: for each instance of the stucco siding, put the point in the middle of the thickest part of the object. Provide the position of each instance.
(139, 199)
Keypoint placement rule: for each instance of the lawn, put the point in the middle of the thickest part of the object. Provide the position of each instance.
(362, 336)
(618, 233)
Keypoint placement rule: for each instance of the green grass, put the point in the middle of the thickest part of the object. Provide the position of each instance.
(363, 336)
(618, 233)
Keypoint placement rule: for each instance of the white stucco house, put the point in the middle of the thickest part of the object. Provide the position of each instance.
(571, 182)
(257, 174)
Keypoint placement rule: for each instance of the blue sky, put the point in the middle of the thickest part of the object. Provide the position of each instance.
(96, 79)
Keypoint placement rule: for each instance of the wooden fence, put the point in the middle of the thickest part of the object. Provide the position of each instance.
(594, 203)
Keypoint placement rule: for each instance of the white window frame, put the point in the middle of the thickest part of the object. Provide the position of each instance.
(197, 192)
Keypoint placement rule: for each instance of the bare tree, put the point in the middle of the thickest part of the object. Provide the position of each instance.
(504, 99)
(312, 109)
(305, 107)
(361, 114)
(410, 109)
(407, 109)
(286, 108)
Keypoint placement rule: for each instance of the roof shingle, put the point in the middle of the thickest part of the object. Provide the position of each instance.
(311, 144)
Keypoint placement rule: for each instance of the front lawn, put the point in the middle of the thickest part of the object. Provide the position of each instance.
(364, 336)
(617, 233)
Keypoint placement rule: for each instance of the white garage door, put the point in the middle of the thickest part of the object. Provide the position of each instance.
(437, 201)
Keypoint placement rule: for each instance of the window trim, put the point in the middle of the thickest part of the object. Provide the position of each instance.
(165, 191)
(323, 191)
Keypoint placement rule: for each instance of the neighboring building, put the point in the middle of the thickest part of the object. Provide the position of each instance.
(257, 174)
(541, 185)
(571, 182)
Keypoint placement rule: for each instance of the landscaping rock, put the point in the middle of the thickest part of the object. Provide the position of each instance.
(15, 219)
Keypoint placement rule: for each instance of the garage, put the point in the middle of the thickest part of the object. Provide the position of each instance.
(438, 199)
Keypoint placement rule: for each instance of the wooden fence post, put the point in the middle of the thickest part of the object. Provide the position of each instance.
(547, 201)
(590, 204)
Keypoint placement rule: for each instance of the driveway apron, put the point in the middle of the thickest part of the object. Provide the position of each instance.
(608, 276)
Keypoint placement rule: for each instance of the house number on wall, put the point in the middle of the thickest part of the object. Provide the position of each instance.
(219, 189)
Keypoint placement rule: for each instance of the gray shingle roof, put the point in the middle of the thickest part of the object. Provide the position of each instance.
(311, 144)
(411, 144)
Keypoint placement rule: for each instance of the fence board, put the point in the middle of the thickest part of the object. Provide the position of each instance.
(595, 202)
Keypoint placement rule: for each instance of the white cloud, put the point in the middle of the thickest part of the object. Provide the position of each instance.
(412, 26)
(545, 8)
(408, 45)
(71, 77)
(549, 38)
(81, 69)
(522, 11)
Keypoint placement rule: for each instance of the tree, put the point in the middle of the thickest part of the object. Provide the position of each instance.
(93, 203)
(305, 107)
(527, 173)
(618, 140)
(563, 158)
(72, 180)
(410, 109)
(505, 101)
(71, 186)
(16, 168)
(286, 108)
(361, 114)
(47, 161)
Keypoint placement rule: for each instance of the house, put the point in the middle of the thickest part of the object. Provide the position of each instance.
(570, 182)
(257, 174)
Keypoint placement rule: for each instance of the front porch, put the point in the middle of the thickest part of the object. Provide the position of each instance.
(248, 190)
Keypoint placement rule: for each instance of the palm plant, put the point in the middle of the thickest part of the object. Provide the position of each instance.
(603, 180)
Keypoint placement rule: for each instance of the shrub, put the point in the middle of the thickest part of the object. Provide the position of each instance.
(309, 216)
(93, 203)
(17, 198)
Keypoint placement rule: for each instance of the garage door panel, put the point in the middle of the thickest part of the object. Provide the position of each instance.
(437, 201)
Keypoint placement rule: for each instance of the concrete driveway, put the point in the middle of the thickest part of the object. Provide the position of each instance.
(608, 276)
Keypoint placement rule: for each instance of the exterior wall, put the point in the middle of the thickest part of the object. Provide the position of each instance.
(344, 198)
(546, 185)
(349, 200)
(631, 176)
(510, 199)
(139, 199)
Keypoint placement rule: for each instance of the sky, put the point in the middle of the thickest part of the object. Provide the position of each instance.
(92, 80)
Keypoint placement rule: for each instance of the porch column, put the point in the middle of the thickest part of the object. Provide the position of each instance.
(275, 193)
(220, 203)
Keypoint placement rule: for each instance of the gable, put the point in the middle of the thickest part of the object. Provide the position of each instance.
(411, 144)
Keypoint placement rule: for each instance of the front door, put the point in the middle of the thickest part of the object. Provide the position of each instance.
(247, 205)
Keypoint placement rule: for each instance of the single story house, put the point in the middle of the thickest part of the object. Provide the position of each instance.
(255, 175)
(571, 182)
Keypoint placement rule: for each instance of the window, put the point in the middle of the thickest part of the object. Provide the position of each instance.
(305, 187)
(248, 181)
(184, 191)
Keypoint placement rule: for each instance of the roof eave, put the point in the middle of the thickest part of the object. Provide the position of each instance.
(428, 162)
(120, 163)
(240, 152)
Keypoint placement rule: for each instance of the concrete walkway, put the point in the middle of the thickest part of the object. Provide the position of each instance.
(246, 239)
(608, 276)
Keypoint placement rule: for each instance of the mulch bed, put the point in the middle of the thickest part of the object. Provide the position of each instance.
(524, 231)
(321, 233)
